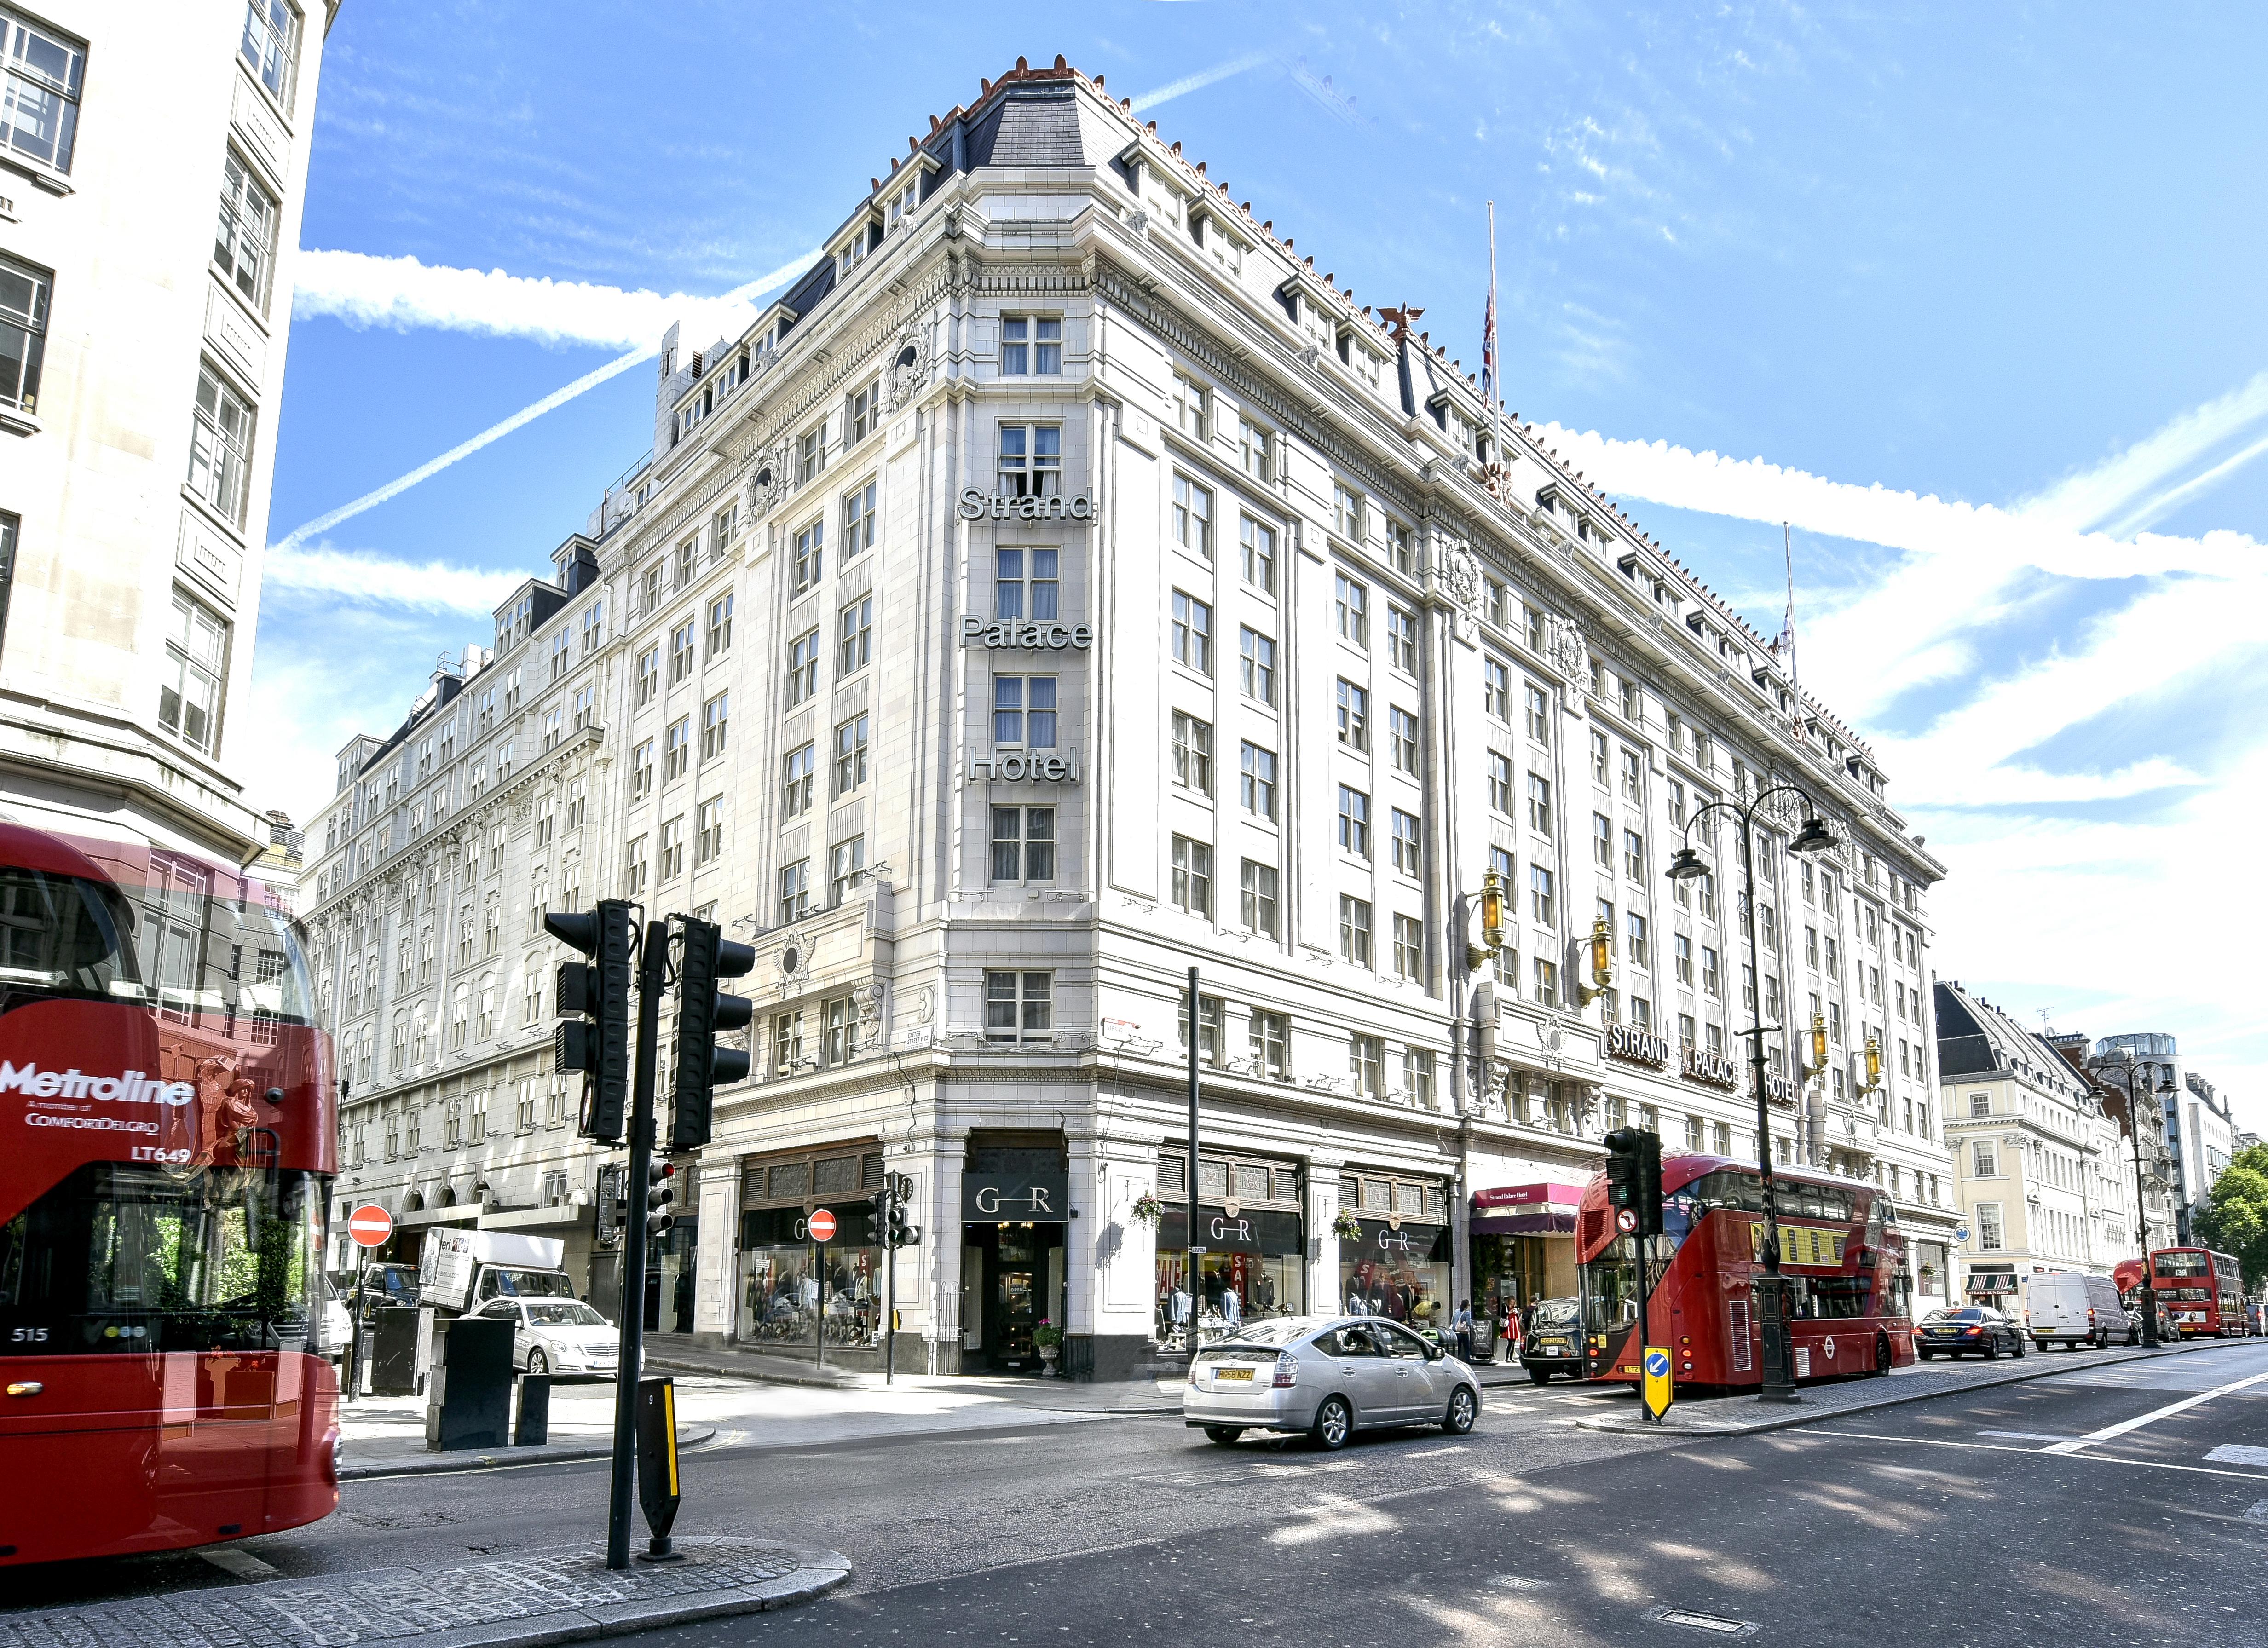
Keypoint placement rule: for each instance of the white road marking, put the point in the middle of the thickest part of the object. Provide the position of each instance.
(2084, 1458)
(242, 1563)
(2167, 1412)
(2237, 1453)
(2032, 1435)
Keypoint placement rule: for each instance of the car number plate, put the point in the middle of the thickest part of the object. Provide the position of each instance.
(1557, 1343)
(1222, 1375)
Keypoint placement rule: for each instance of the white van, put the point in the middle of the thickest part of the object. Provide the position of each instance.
(2066, 1307)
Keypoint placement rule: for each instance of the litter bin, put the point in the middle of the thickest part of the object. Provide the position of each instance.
(391, 1344)
(468, 1396)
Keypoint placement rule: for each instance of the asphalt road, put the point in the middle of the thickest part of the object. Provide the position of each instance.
(2003, 1517)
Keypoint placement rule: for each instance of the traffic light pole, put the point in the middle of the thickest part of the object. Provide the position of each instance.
(653, 963)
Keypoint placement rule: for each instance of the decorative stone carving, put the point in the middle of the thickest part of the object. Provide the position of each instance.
(1461, 573)
(908, 367)
(1569, 653)
(867, 997)
(767, 481)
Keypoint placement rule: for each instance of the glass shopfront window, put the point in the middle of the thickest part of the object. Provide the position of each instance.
(1253, 1267)
(1397, 1268)
(795, 1291)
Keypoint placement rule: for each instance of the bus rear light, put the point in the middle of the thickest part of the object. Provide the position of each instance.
(1287, 1371)
(25, 1387)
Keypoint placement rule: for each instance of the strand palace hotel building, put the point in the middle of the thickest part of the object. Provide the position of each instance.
(1064, 584)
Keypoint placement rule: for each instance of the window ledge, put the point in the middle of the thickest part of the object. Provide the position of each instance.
(18, 423)
(40, 179)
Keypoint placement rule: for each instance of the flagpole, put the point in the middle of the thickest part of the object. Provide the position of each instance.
(1496, 388)
(1796, 679)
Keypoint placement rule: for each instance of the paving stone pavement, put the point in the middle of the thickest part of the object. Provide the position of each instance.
(562, 1596)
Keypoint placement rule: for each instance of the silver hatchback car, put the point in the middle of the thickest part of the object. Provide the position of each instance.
(1326, 1377)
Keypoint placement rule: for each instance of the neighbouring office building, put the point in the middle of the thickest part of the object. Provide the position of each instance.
(1064, 584)
(2200, 1133)
(152, 163)
(2043, 1175)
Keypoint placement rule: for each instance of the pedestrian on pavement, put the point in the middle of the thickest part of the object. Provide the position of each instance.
(1461, 1325)
(1356, 1304)
(1231, 1307)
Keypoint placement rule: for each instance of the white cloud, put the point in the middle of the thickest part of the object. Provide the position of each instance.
(375, 580)
(2108, 494)
(407, 295)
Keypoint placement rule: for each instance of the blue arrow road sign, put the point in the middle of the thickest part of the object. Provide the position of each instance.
(1657, 1364)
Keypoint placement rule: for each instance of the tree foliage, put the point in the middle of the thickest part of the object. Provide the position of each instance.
(2235, 1219)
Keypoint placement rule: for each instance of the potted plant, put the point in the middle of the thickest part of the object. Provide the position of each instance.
(1048, 1339)
(1346, 1227)
(1148, 1209)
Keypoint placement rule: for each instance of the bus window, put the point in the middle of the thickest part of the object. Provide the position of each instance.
(1609, 1284)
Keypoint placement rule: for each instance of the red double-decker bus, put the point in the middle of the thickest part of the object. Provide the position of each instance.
(168, 1117)
(2202, 1290)
(1839, 1248)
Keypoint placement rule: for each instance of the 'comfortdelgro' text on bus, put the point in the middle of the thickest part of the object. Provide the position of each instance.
(167, 1113)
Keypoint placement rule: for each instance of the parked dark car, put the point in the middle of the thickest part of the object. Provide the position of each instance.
(1967, 1330)
(1551, 1339)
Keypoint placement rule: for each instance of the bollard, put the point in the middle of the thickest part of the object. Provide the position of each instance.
(533, 1427)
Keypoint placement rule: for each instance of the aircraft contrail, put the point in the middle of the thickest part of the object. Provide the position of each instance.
(1191, 83)
(557, 397)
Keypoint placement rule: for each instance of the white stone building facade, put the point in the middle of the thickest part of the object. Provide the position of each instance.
(141, 370)
(1065, 584)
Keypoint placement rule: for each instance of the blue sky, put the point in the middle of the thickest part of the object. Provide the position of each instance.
(2000, 257)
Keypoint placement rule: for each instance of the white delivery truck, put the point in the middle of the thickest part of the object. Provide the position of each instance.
(2065, 1308)
(460, 1271)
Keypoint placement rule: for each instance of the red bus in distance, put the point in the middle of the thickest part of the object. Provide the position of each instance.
(169, 1118)
(2202, 1292)
(1839, 1247)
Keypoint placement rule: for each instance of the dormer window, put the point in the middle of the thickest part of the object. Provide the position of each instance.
(903, 202)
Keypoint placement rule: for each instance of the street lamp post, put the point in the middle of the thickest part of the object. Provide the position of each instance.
(2141, 1199)
(1685, 865)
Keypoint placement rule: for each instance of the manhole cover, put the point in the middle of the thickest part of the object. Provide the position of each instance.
(399, 1519)
(1716, 1624)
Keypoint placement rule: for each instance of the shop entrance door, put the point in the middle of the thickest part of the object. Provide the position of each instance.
(1020, 1263)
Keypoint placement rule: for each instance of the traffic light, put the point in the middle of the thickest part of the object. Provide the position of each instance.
(596, 993)
(703, 1011)
(660, 1197)
(898, 1194)
(1634, 1177)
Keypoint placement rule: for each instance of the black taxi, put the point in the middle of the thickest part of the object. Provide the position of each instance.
(1551, 1339)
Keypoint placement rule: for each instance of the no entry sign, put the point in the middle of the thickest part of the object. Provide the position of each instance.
(822, 1225)
(370, 1225)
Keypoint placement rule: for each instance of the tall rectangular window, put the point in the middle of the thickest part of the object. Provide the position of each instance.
(676, 748)
(1540, 898)
(1193, 517)
(1500, 783)
(849, 756)
(862, 416)
(681, 652)
(39, 118)
(855, 636)
(720, 626)
(799, 766)
(270, 47)
(197, 664)
(1192, 753)
(810, 555)
(1256, 780)
(1257, 544)
(1402, 639)
(1256, 664)
(714, 722)
(803, 667)
(1405, 842)
(795, 891)
(1539, 804)
(1192, 876)
(1351, 602)
(1192, 408)
(1367, 1065)
(244, 244)
(1402, 738)
(846, 868)
(1258, 891)
(672, 850)
(1496, 689)
(1353, 715)
(709, 830)
(1270, 1041)
(220, 445)
(1602, 841)
(1410, 949)
(1031, 460)
(1354, 931)
(1354, 822)
(858, 521)
(1192, 633)
(1256, 446)
(811, 454)
(1026, 583)
(1023, 845)
(1024, 710)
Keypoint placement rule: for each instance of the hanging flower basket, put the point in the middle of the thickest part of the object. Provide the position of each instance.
(1346, 1227)
(1927, 1271)
(1148, 1209)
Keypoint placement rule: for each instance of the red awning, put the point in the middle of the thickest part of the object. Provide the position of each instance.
(1537, 1196)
